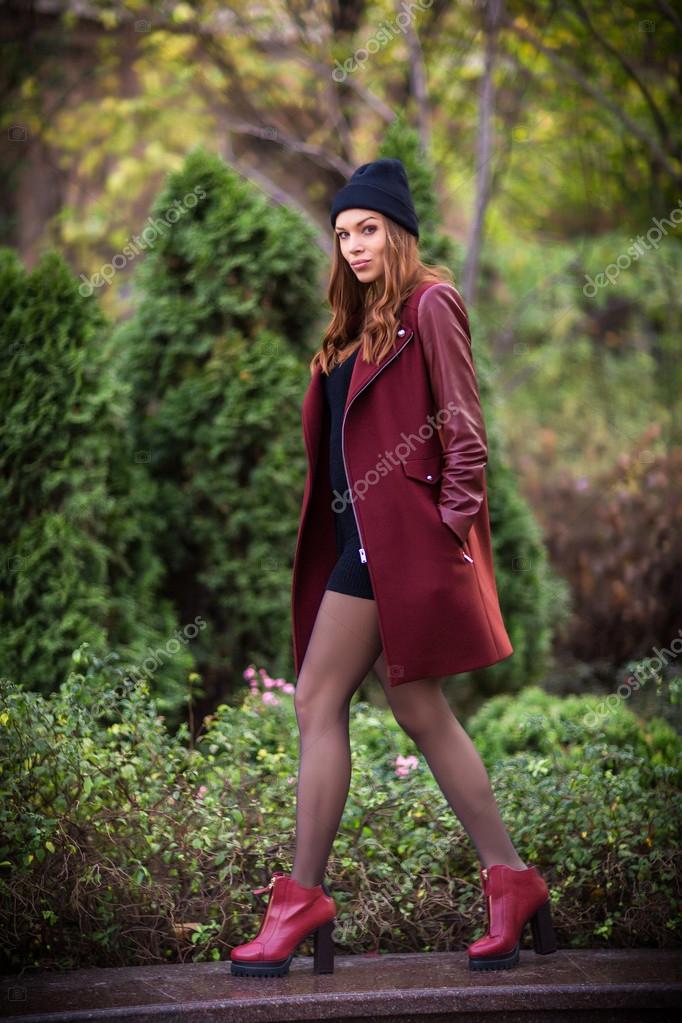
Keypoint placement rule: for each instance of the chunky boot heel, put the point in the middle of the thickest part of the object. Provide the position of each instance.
(544, 940)
(323, 948)
(292, 914)
(513, 898)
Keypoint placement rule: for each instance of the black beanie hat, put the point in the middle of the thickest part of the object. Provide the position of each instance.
(381, 185)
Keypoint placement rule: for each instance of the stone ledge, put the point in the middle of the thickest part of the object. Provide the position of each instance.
(623, 985)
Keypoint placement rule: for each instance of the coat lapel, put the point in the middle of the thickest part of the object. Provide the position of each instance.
(362, 374)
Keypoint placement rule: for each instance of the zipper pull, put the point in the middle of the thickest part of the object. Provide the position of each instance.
(267, 887)
(259, 891)
(363, 556)
(467, 557)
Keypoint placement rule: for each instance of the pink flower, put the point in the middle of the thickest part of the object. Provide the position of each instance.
(201, 792)
(268, 682)
(288, 688)
(250, 672)
(271, 698)
(405, 764)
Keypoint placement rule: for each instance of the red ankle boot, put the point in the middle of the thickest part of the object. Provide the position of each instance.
(292, 914)
(514, 897)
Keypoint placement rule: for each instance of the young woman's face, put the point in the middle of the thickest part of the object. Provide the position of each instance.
(362, 239)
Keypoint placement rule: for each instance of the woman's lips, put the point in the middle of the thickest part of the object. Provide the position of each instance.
(359, 266)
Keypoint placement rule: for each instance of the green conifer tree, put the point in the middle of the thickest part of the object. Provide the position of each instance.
(76, 505)
(226, 297)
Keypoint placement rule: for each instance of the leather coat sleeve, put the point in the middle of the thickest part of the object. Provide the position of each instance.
(446, 342)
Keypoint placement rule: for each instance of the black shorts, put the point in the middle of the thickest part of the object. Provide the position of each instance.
(350, 575)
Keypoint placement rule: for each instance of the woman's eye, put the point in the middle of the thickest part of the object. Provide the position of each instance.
(370, 227)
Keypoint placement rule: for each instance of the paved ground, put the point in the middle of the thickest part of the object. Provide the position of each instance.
(627, 986)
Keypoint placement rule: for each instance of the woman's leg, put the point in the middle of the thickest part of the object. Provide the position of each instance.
(422, 711)
(343, 647)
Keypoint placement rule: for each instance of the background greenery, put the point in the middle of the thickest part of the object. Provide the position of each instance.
(124, 844)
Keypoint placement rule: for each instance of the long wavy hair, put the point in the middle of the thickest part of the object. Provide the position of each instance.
(370, 312)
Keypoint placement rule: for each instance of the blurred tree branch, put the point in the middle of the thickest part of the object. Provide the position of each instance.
(571, 71)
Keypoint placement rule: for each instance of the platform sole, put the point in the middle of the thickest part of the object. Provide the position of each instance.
(323, 957)
(544, 942)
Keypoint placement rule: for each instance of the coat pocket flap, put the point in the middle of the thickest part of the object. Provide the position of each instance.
(427, 469)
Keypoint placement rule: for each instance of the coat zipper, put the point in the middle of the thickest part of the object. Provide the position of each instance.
(361, 549)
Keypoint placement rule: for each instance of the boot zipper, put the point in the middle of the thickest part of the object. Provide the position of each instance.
(259, 891)
(361, 549)
(484, 872)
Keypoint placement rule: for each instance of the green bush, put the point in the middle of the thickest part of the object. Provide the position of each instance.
(77, 507)
(124, 845)
(215, 354)
(536, 723)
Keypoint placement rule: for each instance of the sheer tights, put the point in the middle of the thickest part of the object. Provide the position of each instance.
(423, 712)
(345, 645)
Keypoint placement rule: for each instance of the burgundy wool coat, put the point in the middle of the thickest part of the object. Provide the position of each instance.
(415, 449)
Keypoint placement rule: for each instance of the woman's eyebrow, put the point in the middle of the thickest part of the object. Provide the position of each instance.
(357, 225)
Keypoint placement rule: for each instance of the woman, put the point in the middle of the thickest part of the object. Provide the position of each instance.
(393, 568)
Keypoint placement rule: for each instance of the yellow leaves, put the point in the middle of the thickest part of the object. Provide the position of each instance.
(29, 87)
(182, 13)
(125, 172)
(4, 718)
(169, 48)
(108, 18)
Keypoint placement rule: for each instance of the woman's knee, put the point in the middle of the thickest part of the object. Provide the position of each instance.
(316, 703)
(414, 725)
(421, 712)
